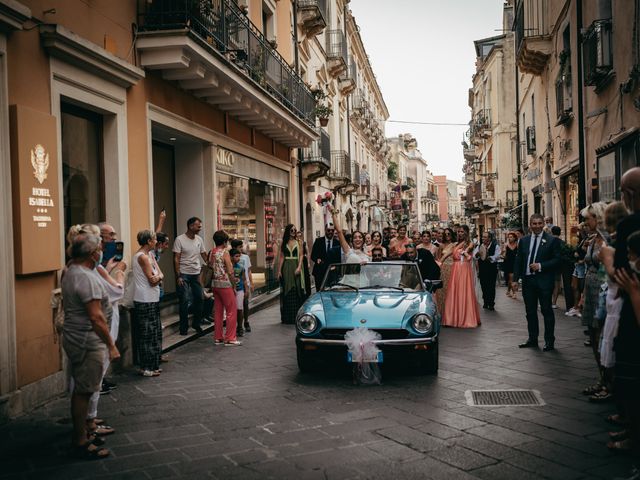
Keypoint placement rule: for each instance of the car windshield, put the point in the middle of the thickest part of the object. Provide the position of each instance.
(374, 276)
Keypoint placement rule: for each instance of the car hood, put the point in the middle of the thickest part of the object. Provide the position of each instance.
(380, 309)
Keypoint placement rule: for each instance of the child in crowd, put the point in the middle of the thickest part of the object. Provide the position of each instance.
(248, 288)
(241, 282)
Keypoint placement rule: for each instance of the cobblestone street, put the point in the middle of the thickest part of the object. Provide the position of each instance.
(246, 413)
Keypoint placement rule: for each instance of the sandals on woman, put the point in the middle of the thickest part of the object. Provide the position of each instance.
(616, 419)
(617, 436)
(89, 451)
(593, 389)
(102, 430)
(619, 445)
(602, 396)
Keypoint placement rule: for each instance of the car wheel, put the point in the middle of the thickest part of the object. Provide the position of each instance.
(304, 362)
(429, 361)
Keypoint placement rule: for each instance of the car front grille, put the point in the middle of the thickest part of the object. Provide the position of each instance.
(386, 334)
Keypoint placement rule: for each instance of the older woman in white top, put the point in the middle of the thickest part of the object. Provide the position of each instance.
(146, 301)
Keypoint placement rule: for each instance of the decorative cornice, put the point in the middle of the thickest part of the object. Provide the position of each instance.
(66, 45)
(13, 15)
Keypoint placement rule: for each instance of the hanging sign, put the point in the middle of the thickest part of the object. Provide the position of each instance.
(36, 199)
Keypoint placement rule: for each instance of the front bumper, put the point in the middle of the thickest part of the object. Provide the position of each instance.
(394, 342)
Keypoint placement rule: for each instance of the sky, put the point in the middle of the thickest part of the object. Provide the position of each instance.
(423, 56)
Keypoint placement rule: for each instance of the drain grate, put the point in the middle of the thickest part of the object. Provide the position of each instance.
(503, 398)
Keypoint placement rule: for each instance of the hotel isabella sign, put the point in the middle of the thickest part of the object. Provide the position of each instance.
(36, 197)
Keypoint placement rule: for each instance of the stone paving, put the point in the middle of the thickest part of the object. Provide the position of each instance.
(219, 412)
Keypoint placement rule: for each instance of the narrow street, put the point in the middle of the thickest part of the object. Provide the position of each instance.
(218, 412)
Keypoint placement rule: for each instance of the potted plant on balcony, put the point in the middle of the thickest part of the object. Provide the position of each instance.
(322, 110)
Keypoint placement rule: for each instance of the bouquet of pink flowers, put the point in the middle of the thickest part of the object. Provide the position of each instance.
(325, 201)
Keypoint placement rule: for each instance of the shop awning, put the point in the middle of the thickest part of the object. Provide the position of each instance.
(619, 137)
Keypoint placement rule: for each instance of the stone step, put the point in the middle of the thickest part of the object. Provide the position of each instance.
(171, 337)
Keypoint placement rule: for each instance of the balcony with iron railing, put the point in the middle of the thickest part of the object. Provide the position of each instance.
(316, 158)
(347, 81)
(482, 121)
(336, 51)
(313, 16)
(217, 54)
(468, 148)
(598, 54)
(355, 173)
(340, 166)
(533, 35)
(563, 84)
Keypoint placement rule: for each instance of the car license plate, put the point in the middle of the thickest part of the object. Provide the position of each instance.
(376, 359)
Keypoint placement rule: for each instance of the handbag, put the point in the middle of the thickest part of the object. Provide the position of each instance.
(206, 272)
(129, 290)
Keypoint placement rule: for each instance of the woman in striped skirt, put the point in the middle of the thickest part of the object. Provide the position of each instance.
(146, 300)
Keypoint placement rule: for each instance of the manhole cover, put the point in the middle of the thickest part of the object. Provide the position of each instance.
(503, 398)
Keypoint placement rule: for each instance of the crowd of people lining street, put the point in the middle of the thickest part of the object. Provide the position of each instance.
(599, 278)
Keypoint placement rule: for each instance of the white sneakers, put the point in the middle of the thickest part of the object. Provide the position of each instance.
(573, 312)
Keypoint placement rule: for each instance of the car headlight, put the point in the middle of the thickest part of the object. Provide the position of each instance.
(307, 323)
(422, 323)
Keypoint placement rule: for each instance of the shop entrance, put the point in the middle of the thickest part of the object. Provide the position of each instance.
(164, 197)
(178, 169)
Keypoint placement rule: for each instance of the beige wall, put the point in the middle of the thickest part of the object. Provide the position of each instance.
(619, 114)
(29, 84)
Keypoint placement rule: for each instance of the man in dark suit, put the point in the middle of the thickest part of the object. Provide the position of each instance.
(427, 265)
(536, 263)
(325, 251)
(487, 254)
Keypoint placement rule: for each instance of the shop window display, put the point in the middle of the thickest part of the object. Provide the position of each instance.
(255, 212)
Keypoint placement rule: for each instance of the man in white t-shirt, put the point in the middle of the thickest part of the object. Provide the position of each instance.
(188, 255)
(248, 290)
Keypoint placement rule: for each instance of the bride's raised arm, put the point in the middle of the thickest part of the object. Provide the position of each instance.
(343, 241)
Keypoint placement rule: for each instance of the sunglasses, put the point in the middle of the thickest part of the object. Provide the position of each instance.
(377, 256)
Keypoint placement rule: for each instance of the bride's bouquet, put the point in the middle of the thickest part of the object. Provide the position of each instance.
(326, 201)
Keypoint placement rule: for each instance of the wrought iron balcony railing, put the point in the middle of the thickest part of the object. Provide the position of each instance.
(337, 46)
(222, 27)
(319, 151)
(531, 20)
(483, 119)
(598, 54)
(340, 165)
(355, 175)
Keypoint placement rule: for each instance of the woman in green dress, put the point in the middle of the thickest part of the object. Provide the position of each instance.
(292, 291)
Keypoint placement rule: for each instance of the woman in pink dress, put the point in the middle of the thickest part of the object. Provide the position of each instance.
(461, 307)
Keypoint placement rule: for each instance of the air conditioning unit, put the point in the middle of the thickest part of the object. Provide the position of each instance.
(531, 140)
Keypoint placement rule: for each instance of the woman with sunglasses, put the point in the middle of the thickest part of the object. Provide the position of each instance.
(376, 241)
(290, 275)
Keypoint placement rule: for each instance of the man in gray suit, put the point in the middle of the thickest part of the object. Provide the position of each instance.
(536, 263)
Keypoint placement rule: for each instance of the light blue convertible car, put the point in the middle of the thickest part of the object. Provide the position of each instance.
(387, 297)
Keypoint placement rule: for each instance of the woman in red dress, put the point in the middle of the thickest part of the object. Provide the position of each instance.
(461, 307)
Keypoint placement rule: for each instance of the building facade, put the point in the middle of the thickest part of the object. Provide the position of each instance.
(456, 191)
(200, 111)
(349, 159)
(578, 109)
(490, 144)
